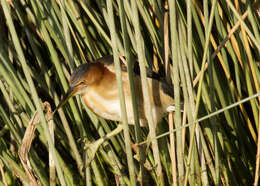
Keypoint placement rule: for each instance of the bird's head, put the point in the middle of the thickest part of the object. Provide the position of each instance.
(83, 76)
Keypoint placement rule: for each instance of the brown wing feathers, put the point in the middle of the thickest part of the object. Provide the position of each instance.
(108, 63)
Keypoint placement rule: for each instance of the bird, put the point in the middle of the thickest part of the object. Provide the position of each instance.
(96, 83)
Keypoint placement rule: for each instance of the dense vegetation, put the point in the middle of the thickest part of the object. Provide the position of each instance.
(210, 51)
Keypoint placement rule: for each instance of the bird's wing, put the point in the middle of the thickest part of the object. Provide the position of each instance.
(108, 62)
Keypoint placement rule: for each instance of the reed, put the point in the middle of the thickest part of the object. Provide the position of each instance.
(209, 50)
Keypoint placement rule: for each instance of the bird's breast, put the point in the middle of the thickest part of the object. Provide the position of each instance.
(105, 104)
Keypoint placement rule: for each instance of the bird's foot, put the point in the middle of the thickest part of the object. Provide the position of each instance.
(171, 108)
(92, 148)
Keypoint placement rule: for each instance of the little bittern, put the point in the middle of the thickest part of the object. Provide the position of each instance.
(96, 83)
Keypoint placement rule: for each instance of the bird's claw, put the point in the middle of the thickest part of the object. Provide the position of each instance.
(92, 148)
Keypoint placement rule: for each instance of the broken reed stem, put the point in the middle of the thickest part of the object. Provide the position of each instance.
(27, 142)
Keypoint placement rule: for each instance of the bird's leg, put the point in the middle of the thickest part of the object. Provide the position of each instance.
(93, 147)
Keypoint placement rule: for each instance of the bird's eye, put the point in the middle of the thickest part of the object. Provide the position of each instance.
(82, 83)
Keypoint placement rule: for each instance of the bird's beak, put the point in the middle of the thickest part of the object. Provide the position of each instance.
(65, 98)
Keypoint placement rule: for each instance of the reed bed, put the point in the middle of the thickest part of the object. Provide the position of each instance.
(208, 49)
